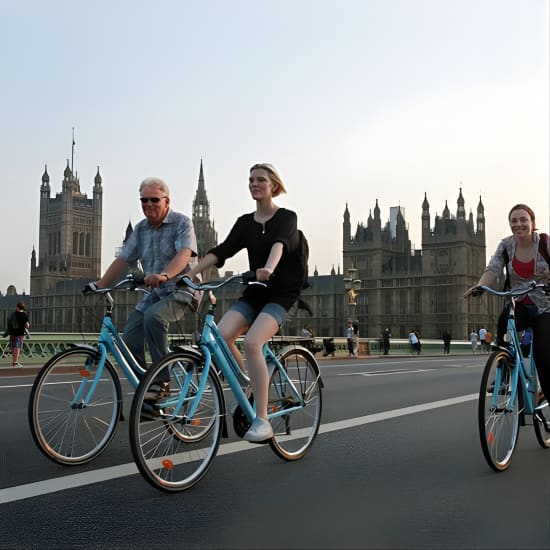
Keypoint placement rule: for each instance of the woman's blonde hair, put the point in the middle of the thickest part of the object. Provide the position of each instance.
(278, 185)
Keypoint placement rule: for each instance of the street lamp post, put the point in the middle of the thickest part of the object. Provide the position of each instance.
(352, 284)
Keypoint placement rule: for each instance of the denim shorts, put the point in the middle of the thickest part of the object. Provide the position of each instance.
(276, 311)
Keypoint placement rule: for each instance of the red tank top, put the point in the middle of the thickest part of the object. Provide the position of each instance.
(525, 270)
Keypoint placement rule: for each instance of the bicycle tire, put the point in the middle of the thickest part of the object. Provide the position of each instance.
(294, 434)
(171, 451)
(498, 425)
(66, 432)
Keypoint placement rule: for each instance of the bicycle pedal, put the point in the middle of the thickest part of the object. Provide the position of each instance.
(149, 412)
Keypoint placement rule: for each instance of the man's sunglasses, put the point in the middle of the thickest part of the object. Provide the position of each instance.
(154, 200)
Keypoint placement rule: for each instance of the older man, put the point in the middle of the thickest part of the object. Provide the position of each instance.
(165, 244)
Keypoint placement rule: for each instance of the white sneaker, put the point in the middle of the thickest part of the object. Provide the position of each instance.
(259, 431)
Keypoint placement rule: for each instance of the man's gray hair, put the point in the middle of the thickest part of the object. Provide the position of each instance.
(155, 182)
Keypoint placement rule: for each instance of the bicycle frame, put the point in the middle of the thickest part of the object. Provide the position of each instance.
(109, 341)
(527, 377)
(216, 351)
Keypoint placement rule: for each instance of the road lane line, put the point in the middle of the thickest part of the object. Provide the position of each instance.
(387, 415)
(20, 492)
(384, 372)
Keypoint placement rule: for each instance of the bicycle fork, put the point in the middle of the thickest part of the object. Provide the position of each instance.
(88, 382)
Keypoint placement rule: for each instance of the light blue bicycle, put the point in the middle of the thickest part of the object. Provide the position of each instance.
(76, 399)
(509, 392)
(176, 436)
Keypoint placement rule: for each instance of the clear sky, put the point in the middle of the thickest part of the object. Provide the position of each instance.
(352, 100)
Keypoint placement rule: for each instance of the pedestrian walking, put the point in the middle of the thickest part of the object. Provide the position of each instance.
(18, 326)
(414, 341)
(473, 340)
(386, 335)
(446, 341)
(482, 335)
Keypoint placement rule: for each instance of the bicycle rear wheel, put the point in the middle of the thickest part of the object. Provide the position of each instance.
(174, 447)
(67, 430)
(498, 414)
(294, 433)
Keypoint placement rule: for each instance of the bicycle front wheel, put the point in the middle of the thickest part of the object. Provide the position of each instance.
(498, 413)
(175, 434)
(73, 416)
(302, 397)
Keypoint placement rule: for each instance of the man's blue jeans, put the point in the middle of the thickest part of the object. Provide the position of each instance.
(151, 326)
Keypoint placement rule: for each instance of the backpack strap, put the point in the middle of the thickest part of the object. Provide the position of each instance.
(506, 259)
(543, 247)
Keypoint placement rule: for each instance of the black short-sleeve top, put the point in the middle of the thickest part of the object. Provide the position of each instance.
(286, 282)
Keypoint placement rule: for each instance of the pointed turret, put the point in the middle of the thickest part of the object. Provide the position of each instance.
(346, 237)
(97, 179)
(129, 231)
(460, 210)
(425, 218)
(480, 226)
(45, 187)
(376, 211)
(446, 212)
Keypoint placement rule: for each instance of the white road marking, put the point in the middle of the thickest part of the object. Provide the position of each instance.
(383, 372)
(20, 492)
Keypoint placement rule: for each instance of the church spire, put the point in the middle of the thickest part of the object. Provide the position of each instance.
(201, 177)
(207, 236)
(201, 205)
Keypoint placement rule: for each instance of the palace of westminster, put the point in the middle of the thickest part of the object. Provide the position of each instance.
(385, 283)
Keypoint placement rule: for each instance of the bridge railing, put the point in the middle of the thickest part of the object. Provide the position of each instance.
(41, 346)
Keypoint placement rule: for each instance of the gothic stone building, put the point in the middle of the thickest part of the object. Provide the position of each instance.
(406, 289)
(398, 287)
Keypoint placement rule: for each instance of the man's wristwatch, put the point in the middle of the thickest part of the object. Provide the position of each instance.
(164, 274)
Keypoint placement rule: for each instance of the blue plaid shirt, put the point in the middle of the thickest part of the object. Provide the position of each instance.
(156, 246)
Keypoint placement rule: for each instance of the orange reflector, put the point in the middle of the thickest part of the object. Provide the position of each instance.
(85, 373)
(275, 408)
(491, 438)
(195, 422)
(168, 464)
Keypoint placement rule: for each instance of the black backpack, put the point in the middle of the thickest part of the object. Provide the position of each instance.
(303, 252)
(13, 323)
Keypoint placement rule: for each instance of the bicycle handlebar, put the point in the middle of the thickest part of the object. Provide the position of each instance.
(247, 278)
(517, 292)
(130, 282)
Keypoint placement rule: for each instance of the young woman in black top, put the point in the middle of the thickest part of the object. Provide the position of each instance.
(270, 236)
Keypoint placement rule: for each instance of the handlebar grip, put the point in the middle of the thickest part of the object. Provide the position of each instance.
(249, 276)
(90, 288)
(477, 291)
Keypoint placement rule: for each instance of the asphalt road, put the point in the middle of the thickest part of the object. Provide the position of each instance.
(397, 465)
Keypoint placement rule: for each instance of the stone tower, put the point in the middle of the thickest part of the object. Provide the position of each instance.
(453, 258)
(69, 245)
